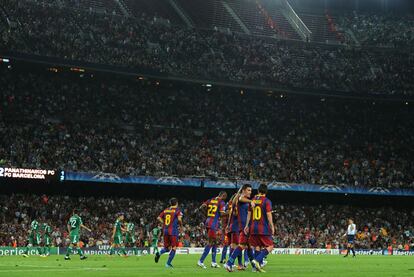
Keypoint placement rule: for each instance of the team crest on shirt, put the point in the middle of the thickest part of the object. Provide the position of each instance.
(330, 188)
(170, 180)
(110, 177)
(379, 190)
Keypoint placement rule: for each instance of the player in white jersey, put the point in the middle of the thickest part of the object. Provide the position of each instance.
(350, 234)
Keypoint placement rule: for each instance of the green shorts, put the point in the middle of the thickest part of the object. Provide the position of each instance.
(154, 243)
(47, 240)
(118, 239)
(74, 238)
(34, 239)
(129, 239)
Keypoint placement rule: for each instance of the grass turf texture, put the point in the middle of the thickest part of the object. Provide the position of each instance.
(185, 265)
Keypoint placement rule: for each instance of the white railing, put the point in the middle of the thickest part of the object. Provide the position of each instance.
(296, 22)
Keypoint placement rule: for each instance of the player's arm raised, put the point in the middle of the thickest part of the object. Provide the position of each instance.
(235, 198)
(160, 220)
(204, 205)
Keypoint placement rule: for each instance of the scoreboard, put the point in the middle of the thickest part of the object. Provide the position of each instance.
(29, 173)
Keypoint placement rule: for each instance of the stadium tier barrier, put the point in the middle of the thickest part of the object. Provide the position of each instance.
(201, 182)
(231, 184)
(104, 250)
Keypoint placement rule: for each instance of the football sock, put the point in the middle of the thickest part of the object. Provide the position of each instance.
(213, 254)
(236, 254)
(80, 252)
(250, 254)
(69, 251)
(246, 256)
(262, 254)
(164, 250)
(171, 256)
(224, 253)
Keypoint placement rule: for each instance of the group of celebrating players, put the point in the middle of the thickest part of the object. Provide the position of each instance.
(243, 224)
(246, 224)
(39, 237)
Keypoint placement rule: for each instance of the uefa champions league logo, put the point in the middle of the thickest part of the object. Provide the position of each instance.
(110, 177)
(170, 180)
(379, 190)
(330, 188)
(279, 185)
(225, 184)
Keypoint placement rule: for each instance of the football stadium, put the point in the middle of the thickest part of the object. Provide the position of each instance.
(207, 138)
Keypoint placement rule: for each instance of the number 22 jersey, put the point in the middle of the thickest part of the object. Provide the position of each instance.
(215, 207)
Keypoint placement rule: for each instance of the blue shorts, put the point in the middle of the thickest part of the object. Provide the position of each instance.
(351, 239)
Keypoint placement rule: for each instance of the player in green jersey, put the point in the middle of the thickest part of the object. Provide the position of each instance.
(130, 240)
(33, 239)
(74, 226)
(47, 240)
(155, 236)
(116, 238)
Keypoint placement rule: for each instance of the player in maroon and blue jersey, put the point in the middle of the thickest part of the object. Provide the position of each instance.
(171, 218)
(239, 240)
(225, 237)
(260, 227)
(232, 228)
(215, 209)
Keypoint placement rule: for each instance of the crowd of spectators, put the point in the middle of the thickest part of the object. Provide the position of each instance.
(128, 127)
(387, 30)
(154, 45)
(297, 226)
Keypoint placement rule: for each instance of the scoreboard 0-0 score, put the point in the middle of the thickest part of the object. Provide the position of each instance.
(28, 173)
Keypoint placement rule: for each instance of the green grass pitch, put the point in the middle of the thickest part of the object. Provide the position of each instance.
(185, 265)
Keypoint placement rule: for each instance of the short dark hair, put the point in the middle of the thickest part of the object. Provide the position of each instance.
(74, 211)
(173, 201)
(262, 188)
(245, 186)
(222, 193)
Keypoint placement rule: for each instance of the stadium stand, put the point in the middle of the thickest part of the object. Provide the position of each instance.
(154, 8)
(319, 26)
(120, 126)
(389, 30)
(280, 20)
(147, 44)
(94, 89)
(210, 14)
(254, 17)
(99, 6)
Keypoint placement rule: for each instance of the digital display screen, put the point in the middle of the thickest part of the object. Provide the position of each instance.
(29, 173)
